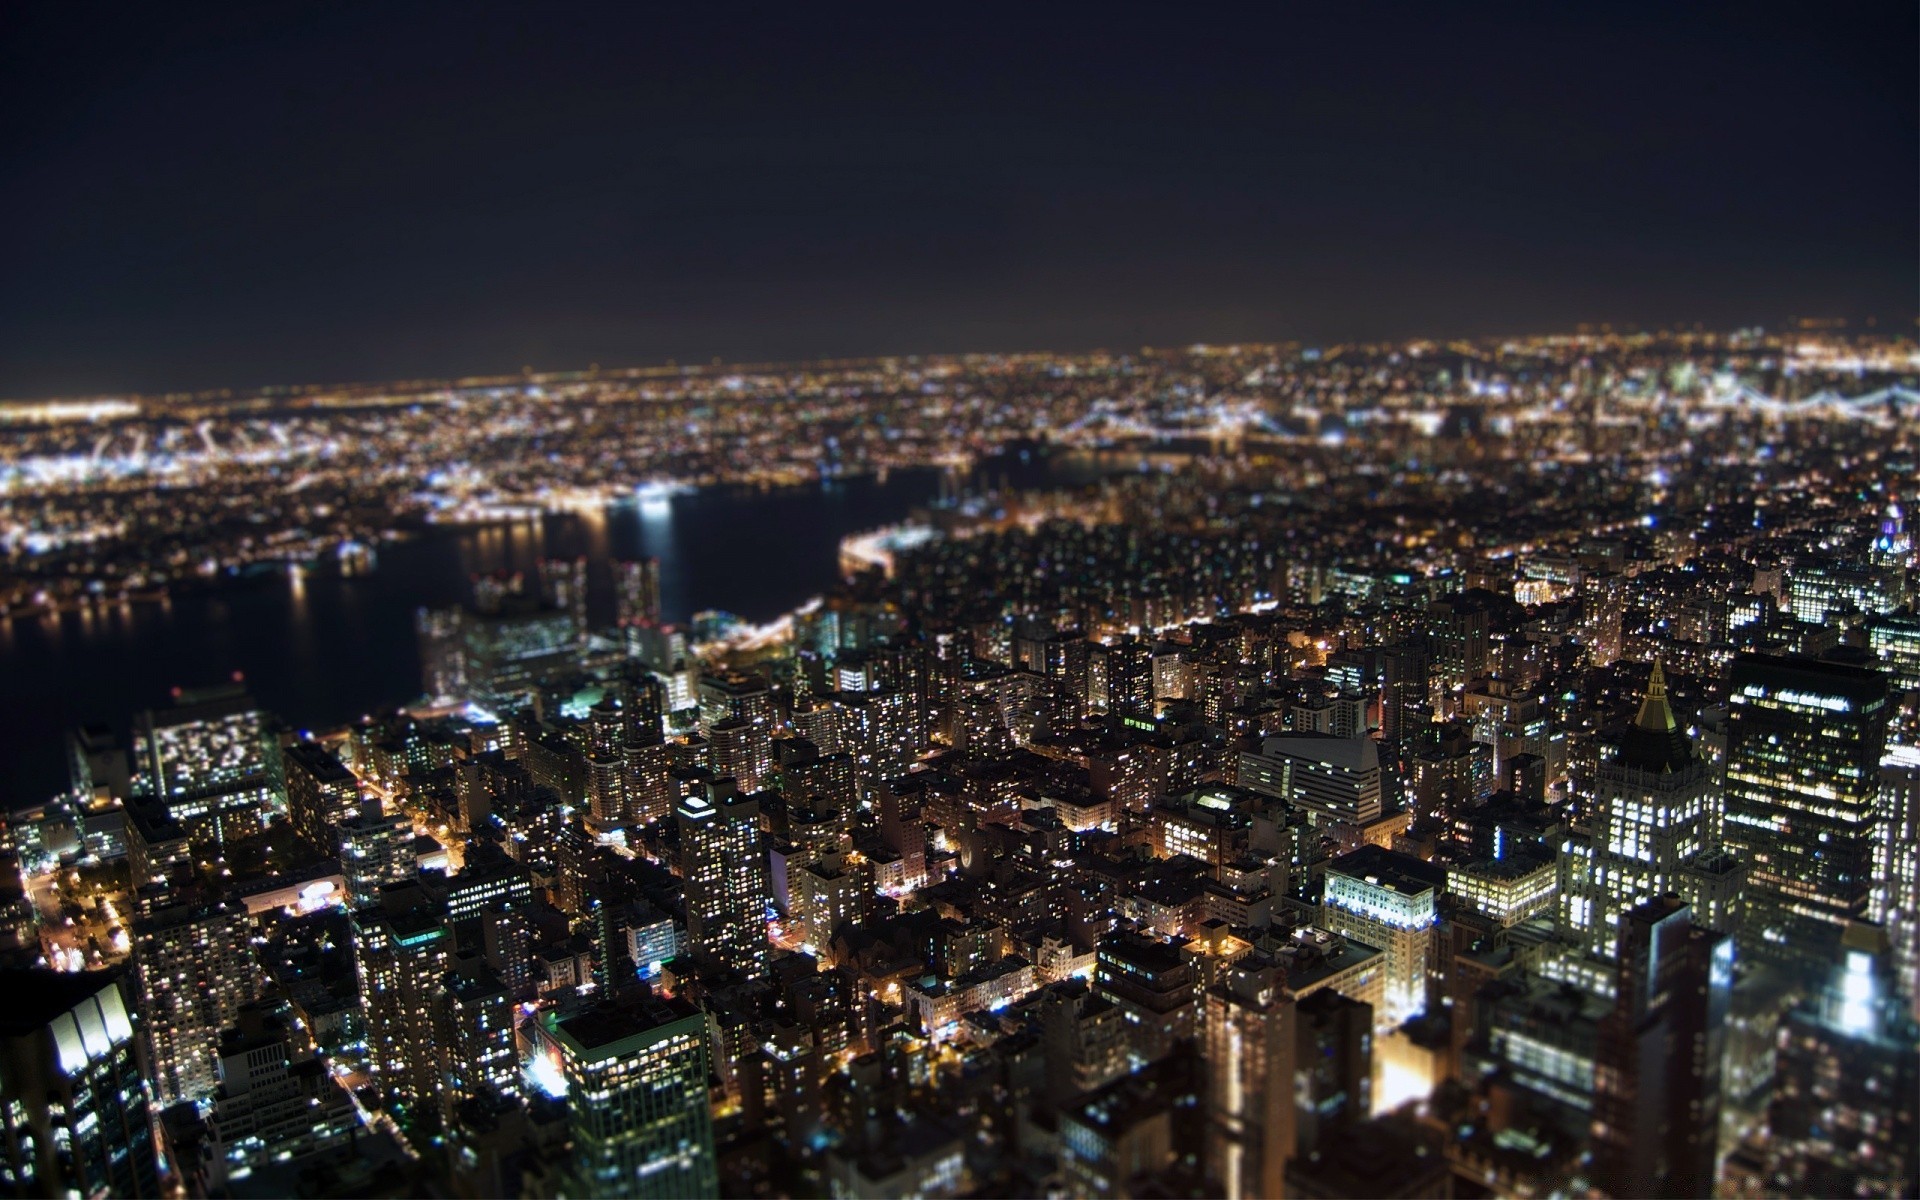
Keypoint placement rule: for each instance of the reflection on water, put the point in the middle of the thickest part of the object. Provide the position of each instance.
(321, 648)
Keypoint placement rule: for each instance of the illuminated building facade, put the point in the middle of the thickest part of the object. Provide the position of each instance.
(1656, 1107)
(1388, 900)
(74, 1118)
(1651, 811)
(1334, 779)
(635, 1077)
(401, 957)
(322, 795)
(1511, 889)
(725, 872)
(1805, 741)
(194, 969)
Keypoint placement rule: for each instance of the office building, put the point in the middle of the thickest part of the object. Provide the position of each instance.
(1656, 1106)
(725, 872)
(635, 1078)
(1804, 745)
(1389, 900)
(74, 1118)
(1652, 811)
(1333, 779)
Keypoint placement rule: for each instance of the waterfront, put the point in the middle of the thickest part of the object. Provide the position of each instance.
(324, 648)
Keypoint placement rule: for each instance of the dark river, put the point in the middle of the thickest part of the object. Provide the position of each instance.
(328, 648)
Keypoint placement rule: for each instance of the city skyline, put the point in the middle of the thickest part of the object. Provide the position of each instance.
(615, 602)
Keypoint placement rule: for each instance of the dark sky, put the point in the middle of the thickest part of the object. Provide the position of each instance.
(295, 193)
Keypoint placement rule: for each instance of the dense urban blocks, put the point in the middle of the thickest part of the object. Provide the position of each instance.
(1478, 769)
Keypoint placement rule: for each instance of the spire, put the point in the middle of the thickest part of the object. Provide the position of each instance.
(1655, 742)
(1656, 716)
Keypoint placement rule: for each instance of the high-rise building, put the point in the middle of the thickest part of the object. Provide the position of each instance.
(322, 795)
(212, 761)
(401, 951)
(1896, 900)
(1841, 1118)
(1249, 1044)
(742, 752)
(475, 1038)
(1656, 1105)
(74, 1118)
(1389, 900)
(375, 850)
(607, 800)
(725, 872)
(193, 970)
(635, 1077)
(563, 584)
(1651, 811)
(636, 591)
(1805, 740)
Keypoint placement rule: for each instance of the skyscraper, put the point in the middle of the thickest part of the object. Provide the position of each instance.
(375, 850)
(76, 1120)
(1656, 1105)
(322, 795)
(1805, 740)
(1651, 810)
(725, 872)
(636, 1083)
(636, 591)
(401, 954)
(194, 970)
(563, 584)
(1249, 1044)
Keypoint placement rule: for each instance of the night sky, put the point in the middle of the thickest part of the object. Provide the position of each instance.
(330, 192)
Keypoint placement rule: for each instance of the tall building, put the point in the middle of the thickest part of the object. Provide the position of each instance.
(607, 801)
(1841, 1117)
(74, 1118)
(1651, 811)
(563, 584)
(401, 954)
(1388, 900)
(213, 762)
(742, 752)
(724, 870)
(1896, 873)
(375, 850)
(1656, 1104)
(636, 591)
(193, 971)
(1804, 745)
(322, 795)
(636, 1083)
(1249, 1044)
(475, 1039)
